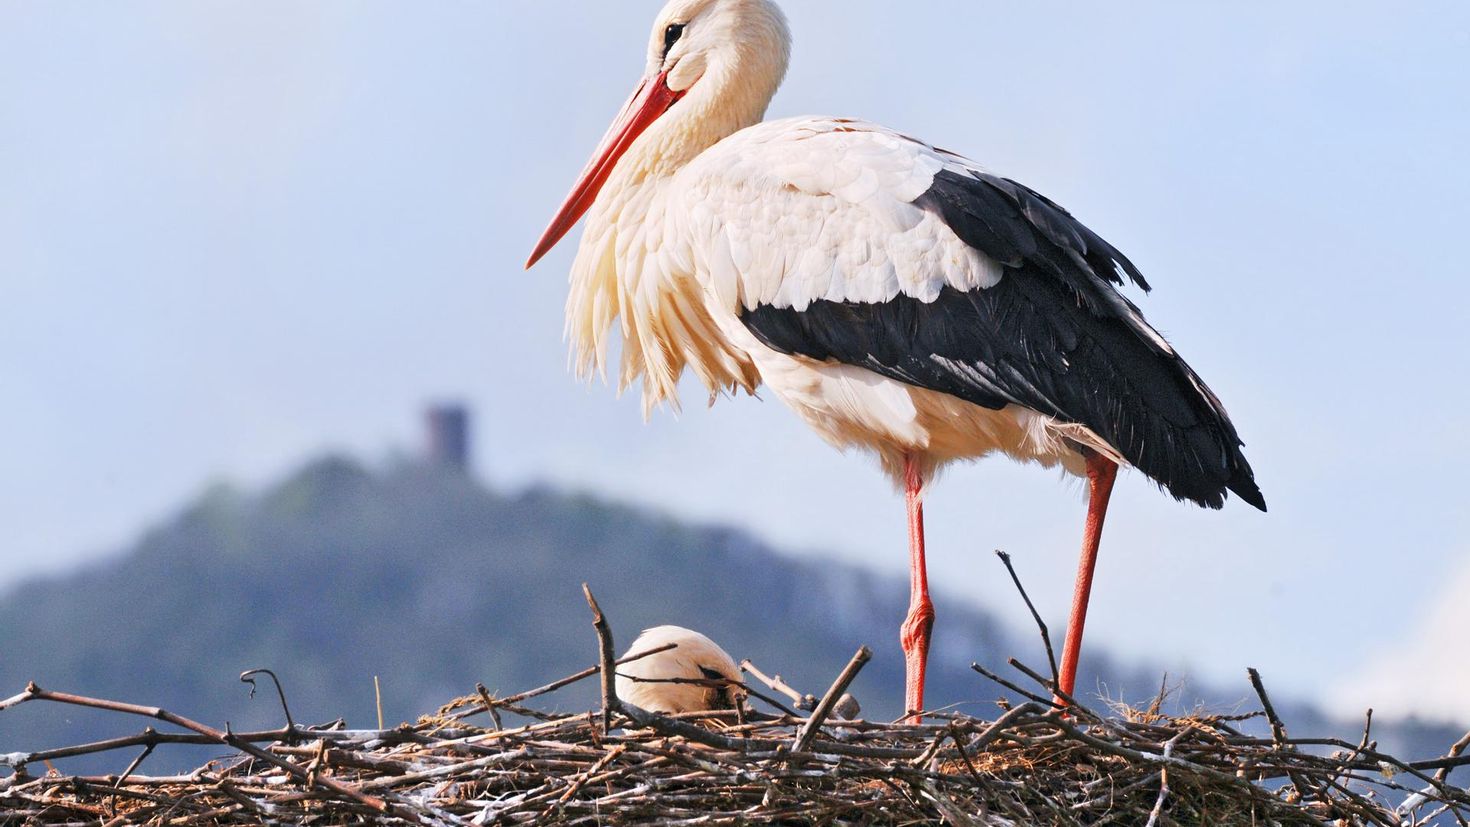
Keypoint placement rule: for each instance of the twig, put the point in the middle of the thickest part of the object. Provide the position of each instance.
(1051, 657)
(605, 659)
(1067, 701)
(249, 677)
(1158, 810)
(1278, 729)
(802, 701)
(489, 703)
(774, 702)
(829, 700)
(1364, 743)
(1003, 723)
(959, 745)
(712, 683)
(378, 700)
(602, 764)
(1452, 757)
(567, 681)
(1441, 777)
(127, 773)
(1028, 695)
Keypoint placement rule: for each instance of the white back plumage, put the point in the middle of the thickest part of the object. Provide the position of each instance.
(645, 682)
(806, 209)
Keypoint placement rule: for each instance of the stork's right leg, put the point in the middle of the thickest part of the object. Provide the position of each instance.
(1101, 472)
(916, 627)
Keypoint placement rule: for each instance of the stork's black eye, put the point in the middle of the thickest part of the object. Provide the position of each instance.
(671, 36)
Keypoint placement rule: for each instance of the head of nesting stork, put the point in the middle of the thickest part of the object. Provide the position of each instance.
(713, 67)
(695, 676)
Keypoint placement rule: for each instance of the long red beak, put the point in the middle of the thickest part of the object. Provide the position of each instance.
(649, 102)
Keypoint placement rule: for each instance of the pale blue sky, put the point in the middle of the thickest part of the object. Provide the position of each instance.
(234, 233)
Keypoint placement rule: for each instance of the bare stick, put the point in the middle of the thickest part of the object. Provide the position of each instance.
(1157, 705)
(1003, 723)
(1452, 759)
(127, 773)
(567, 681)
(775, 702)
(1158, 810)
(1028, 695)
(16, 700)
(714, 683)
(1057, 694)
(1051, 657)
(249, 677)
(605, 660)
(378, 699)
(490, 705)
(802, 701)
(959, 744)
(1363, 744)
(829, 700)
(1278, 729)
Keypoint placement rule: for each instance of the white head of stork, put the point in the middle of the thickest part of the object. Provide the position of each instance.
(898, 297)
(695, 676)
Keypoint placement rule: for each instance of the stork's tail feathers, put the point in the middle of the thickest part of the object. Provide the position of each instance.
(1243, 484)
(1202, 463)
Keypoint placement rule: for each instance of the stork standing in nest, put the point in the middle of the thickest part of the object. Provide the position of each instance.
(899, 297)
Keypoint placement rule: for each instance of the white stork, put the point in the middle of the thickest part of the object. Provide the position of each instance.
(695, 676)
(898, 297)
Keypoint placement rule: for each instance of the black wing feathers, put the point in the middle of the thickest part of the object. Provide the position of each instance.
(1053, 335)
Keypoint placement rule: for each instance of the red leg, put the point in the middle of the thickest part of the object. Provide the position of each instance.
(1101, 472)
(916, 627)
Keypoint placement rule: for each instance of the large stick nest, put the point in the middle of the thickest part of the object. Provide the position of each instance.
(1037, 763)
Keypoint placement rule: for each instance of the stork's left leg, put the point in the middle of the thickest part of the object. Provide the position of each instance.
(920, 621)
(1101, 472)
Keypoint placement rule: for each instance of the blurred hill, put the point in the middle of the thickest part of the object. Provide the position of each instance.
(425, 578)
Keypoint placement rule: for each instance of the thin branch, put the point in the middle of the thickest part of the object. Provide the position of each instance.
(490, 705)
(565, 682)
(824, 707)
(1452, 759)
(1158, 811)
(249, 677)
(1067, 701)
(1027, 694)
(1051, 657)
(605, 660)
(1278, 729)
(801, 700)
